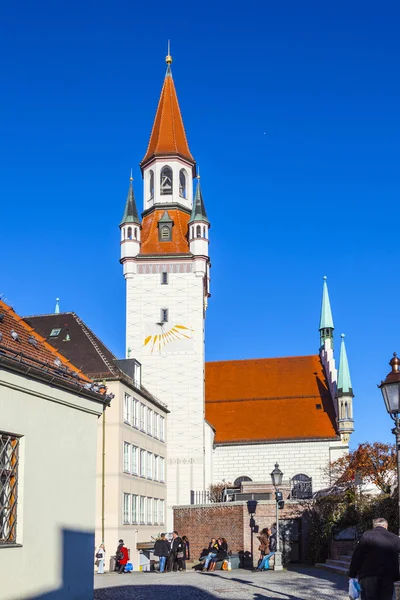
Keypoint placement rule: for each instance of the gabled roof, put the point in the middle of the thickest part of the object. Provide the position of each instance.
(168, 137)
(150, 235)
(130, 213)
(269, 399)
(23, 349)
(76, 341)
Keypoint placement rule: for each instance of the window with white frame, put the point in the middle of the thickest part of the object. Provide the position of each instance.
(142, 510)
(142, 417)
(127, 457)
(135, 460)
(162, 469)
(135, 421)
(149, 421)
(134, 507)
(127, 408)
(162, 429)
(149, 465)
(126, 509)
(155, 511)
(137, 373)
(149, 511)
(156, 468)
(142, 463)
(161, 512)
(155, 425)
(9, 460)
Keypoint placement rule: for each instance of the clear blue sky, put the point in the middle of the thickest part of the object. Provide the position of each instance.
(292, 112)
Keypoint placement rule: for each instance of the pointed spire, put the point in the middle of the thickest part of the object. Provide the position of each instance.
(344, 386)
(326, 326)
(198, 211)
(168, 137)
(131, 213)
(57, 308)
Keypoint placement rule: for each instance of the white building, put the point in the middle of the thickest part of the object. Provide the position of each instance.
(48, 434)
(131, 439)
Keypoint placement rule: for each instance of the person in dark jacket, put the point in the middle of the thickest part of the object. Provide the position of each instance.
(375, 562)
(186, 551)
(177, 552)
(118, 554)
(162, 549)
(222, 553)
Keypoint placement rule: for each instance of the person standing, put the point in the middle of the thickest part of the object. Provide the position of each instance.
(375, 562)
(186, 551)
(101, 559)
(177, 552)
(122, 557)
(267, 547)
(162, 549)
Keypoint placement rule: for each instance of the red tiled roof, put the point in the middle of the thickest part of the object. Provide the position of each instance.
(150, 242)
(39, 354)
(168, 135)
(269, 399)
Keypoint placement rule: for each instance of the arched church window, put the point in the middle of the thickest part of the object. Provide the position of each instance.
(166, 181)
(135, 233)
(238, 481)
(151, 184)
(129, 233)
(182, 183)
(198, 231)
(301, 487)
(123, 233)
(346, 410)
(204, 231)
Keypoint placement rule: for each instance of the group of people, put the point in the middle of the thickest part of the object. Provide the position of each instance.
(267, 548)
(121, 558)
(217, 551)
(172, 555)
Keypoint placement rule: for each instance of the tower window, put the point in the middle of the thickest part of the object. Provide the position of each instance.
(166, 233)
(198, 231)
(204, 232)
(164, 315)
(129, 233)
(135, 233)
(151, 184)
(182, 183)
(166, 181)
(164, 277)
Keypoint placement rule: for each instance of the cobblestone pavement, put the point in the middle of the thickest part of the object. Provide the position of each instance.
(296, 584)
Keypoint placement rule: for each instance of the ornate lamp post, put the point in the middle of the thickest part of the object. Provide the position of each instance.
(277, 477)
(390, 389)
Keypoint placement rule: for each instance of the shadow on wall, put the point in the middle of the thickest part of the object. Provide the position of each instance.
(78, 551)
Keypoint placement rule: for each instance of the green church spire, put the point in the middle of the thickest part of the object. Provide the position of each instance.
(326, 326)
(199, 210)
(131, 213)
(344, 382)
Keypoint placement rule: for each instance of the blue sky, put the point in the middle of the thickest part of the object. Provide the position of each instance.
(292, 113)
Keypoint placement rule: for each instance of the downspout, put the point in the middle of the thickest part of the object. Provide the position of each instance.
(103, 480)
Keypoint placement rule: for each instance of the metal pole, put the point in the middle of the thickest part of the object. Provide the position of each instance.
(397, 431)
(251, 542)
(278, 554)
(103, 483)
(277, 528)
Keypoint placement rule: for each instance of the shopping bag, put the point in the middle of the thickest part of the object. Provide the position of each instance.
(354, 589)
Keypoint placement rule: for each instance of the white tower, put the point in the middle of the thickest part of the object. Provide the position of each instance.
(166, 295)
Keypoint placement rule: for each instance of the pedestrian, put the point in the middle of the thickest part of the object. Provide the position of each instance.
(101, 559)
(375, 562)
(212, 551)
(177, 552)
(122, 556)
(222, 553)
(186, 551)
(162, 549)
(267, 548)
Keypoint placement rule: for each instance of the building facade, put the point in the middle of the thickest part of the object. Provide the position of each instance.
(166, 267)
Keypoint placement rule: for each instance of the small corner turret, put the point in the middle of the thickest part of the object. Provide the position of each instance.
(130, 229)
(326, 328)
(199, 226)
(344, 396)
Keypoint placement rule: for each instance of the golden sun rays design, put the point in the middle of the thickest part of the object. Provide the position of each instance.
(174, 334)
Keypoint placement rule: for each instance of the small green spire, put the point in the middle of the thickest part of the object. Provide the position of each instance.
(198, 210)
(326, 326)
(344, 387)
(131, 213)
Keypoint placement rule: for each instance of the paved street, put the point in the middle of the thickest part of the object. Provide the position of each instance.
(299, 584)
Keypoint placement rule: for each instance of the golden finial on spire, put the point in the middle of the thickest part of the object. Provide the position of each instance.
(131, 178)
(168, 58)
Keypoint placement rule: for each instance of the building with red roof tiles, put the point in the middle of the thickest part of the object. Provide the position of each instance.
(49, 411)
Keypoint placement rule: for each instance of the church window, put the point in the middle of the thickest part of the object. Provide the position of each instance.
(204, 232)
(238, 481)
(9, 461)
(346, 410)
(166, 181)
(129, 233)
(164, 278)
(151, 184)
(301, 487)
(182, 183)
(164, 315)
(198, 231)
(135, 231)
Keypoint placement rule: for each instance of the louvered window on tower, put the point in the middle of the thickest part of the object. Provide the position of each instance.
(9, 451)
(165, 233)
(164, 278)
(166, 181)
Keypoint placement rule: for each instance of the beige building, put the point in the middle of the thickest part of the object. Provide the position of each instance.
(48, 433)
(131, 438)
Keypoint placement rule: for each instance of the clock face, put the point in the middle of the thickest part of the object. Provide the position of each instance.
(162, 338)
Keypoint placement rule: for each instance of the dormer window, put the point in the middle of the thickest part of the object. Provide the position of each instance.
(165, 228)
(165, 233)
(182, 183)
(166, 181)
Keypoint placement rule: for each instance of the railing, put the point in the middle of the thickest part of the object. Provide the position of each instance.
(200, 497)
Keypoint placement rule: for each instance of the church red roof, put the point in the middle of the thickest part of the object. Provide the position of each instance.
(269, 399)
(168, 135)
(150, 237)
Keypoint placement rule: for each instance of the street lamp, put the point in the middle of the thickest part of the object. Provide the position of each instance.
(277, 477)
(251, 509)
(390, 389)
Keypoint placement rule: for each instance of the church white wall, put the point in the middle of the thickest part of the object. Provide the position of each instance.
(258, 460)
(173, 366)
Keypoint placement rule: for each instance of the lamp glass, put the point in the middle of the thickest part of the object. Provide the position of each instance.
(391, 396)
(276, 476)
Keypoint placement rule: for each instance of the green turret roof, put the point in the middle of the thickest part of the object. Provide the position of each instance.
(326, 320)
(198, 211)
(344, 382)
(131, 213)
